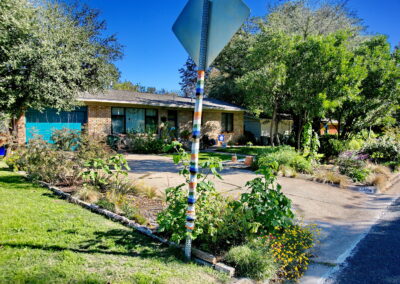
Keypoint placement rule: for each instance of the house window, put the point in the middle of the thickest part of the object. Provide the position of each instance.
(151, 120)
(173, 118)
(133, 120)
(118, 120)
(227, 122)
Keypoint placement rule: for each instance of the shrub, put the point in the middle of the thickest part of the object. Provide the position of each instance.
(383, 150)
(106, 204)
(353, 165)
(286, 157)
(92, 147)
(145, 143)
(269, 206)
(209, 208)
(132, 213)
(252, 260)
(66, 139)
(291, 249)
(42, 162)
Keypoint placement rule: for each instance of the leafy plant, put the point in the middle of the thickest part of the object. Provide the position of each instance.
(269, 206)
(132, 213)
(353, 165)
(106, 204)
(383, 150)
(66, 139)
(209, 204)
(287, 157)
(148, 143)
(310, 143)
(252, 260)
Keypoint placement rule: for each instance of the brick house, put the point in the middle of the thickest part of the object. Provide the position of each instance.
(119, 112)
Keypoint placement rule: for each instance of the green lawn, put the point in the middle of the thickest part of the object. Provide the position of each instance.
(205, 156)
(252, 150)
(46, 240)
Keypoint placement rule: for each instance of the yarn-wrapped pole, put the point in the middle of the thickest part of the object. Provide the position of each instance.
(194, 163)
(198, 110)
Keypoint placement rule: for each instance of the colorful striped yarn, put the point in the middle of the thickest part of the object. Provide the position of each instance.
(194, 161)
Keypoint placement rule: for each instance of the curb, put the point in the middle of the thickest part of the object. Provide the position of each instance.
(329, 276)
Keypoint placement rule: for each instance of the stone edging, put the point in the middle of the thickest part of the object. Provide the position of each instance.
(201, 257)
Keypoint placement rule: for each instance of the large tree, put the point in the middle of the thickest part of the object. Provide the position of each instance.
(265, 81)
(309, 18)
(380, 89)
(50, 53)
(322, 73)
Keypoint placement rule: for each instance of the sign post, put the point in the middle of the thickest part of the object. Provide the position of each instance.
(204, 28)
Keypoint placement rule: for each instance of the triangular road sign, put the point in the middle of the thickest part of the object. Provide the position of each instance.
(225, 18)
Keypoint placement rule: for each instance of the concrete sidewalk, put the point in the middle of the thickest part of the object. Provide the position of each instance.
(343, 215)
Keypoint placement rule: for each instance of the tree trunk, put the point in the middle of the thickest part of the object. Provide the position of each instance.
(278, 141)
(273, 121)
(299, 132)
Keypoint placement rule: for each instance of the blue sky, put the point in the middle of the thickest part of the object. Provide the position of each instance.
(153, 55)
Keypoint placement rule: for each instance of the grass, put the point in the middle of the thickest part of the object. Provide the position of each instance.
(205, 156)
(46, 240)
(252, 150)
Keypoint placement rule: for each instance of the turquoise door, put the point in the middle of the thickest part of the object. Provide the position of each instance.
(44, 123)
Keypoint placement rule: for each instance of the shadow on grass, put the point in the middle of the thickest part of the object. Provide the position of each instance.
(123, 243)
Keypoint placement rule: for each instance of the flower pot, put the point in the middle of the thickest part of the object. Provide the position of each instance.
(248, 161)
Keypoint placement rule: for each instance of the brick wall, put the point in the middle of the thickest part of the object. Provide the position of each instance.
(211, 125)
(99, 120)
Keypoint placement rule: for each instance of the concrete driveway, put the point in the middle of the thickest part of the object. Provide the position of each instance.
(344, 216)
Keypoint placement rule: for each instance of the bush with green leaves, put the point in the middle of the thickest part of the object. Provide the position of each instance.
(383, 150)
(42, 162)
(66, 139)
(353, 164)
(252, 260)
(220, 222)
(285, 157)
(148, 143)
(270, 208)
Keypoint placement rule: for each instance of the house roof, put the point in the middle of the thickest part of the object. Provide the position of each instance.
(146, 99)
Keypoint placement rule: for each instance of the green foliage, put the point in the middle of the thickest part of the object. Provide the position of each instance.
(91, 147)
(66, 139)
(42, 162)
(286, 157)
(269, 206)
(310, 143)
(209, 208)
(377, 100)
(253, 261)
(145, 144)
(353, 165)
(291, 249)
(133, 213)
(108, 174)
(126, 86)
(52, 52)
(383, 150)
(106, 204)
